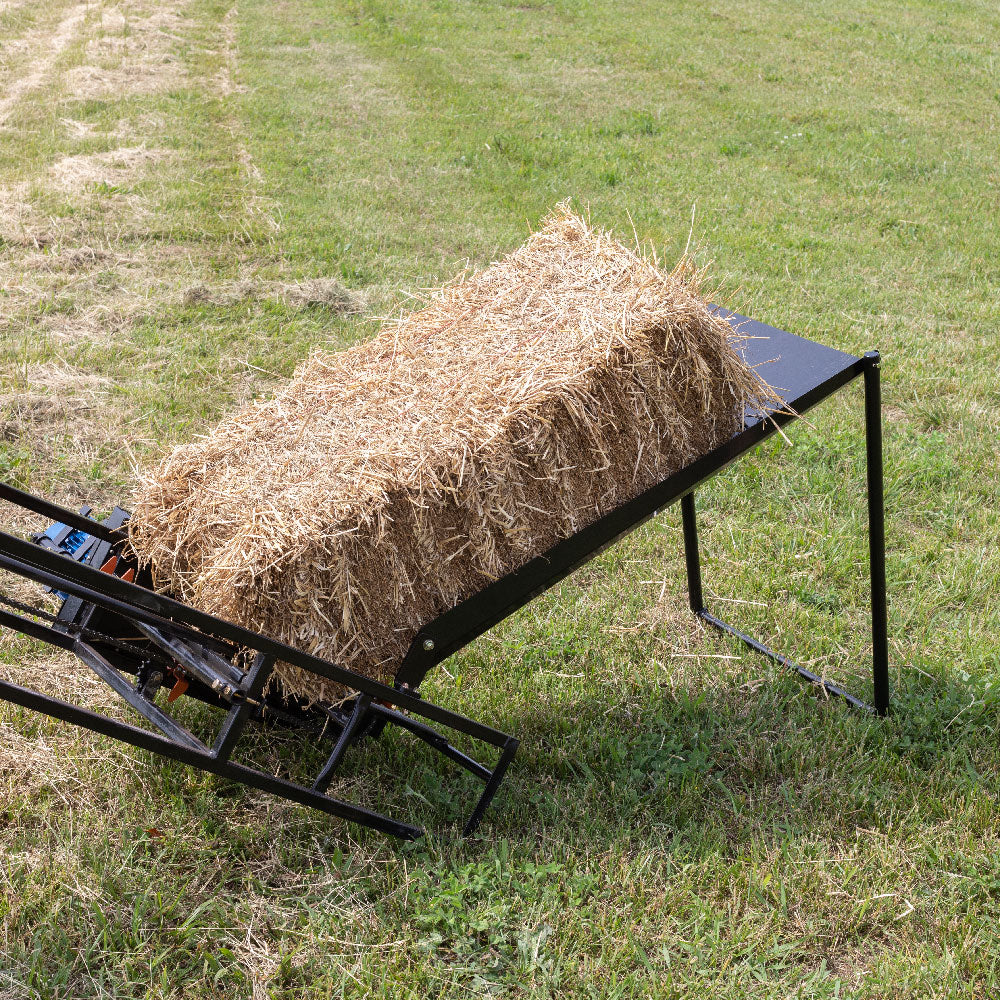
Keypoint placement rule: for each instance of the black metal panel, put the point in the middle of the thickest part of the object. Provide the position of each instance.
(793, 366)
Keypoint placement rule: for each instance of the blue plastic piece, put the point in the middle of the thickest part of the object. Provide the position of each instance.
(69, 546)
(71, 542)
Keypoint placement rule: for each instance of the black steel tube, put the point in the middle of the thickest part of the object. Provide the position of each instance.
(784, 661)
(36, 630)
(432, 738)
(492, 785)
(146, 708)
(235, 772)
(56, 513)
(360, 710)
(139, 604)
(238, 716)
(876, 531)
(692, 558)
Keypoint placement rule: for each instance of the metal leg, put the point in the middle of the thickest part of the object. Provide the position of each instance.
(691, 555)
(507, 755)
(876, 531)
(239, 714)
(876, 541)
(361, 705)
(432, 738)
(834, 690)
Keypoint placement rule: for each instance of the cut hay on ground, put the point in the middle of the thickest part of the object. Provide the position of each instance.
(390, 481)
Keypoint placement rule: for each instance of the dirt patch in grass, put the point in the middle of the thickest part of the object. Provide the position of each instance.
(850, 966)
(20, 223)
(65, 260)
(78, 130)
(101, 327)
(91, 291)
(224, 81)
(60, 377)
(137, 130)
(12, 48)
(53, 407)
(321, 292)
(32, 416)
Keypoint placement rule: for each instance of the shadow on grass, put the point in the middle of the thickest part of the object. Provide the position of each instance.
(729, 764)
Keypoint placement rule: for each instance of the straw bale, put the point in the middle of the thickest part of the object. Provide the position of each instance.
(389, 481)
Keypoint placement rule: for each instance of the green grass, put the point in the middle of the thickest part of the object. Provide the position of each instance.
(682, 819)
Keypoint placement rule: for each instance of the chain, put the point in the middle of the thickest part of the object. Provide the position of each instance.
(83, 631)
(143, 655)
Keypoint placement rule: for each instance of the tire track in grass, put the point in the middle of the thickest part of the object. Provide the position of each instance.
(49, 52)
(256, 207)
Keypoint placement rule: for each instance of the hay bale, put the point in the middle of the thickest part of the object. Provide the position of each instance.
(388, 482)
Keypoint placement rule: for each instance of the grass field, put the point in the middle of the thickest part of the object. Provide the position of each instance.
(194, 194)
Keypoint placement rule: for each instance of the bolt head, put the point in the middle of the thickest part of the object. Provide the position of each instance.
(428, 645)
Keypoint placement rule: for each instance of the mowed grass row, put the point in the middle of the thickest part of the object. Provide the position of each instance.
(682, 819)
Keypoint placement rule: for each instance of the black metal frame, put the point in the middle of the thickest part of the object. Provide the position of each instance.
(208, 650)
(876, 559)
(470, 619)
(213, 657)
